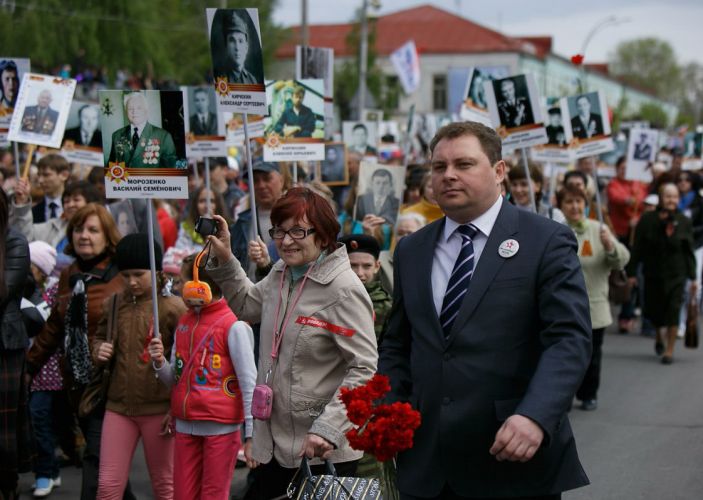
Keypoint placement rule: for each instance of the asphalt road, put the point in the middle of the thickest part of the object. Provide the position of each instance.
(645, 441)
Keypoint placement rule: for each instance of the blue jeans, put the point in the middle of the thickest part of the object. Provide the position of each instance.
(40, 404)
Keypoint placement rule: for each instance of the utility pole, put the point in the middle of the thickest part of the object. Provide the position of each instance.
(363, 56)
(305, 35)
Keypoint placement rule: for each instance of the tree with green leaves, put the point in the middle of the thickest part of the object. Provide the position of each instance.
(163, 39)
(649, 63)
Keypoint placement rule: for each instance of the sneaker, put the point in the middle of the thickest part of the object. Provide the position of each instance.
(57, 481)
(43, 487)
(589, 404)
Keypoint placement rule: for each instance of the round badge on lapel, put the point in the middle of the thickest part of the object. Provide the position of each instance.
(508, 248)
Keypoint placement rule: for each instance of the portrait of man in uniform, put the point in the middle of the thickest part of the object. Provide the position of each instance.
(643, 148)
(555, 130)
(513, 102)
(40, 119)
(587, 123)
(141, 144)
(203, 121)
(237, 54)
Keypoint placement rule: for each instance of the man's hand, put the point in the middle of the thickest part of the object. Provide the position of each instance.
(316, 446)
(105, 352)
(220, 242)
(517, 440)
(22, 190)
(289, 130)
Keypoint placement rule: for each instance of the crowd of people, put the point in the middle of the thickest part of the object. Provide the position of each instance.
(257, 333)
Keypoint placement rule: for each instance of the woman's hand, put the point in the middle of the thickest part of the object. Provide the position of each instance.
(166, 429)
(316, 446)
(220, 242)
(606, 239)
(105, 352)
(259, 253)
(156, 351)
(371, 222)
(251, 463)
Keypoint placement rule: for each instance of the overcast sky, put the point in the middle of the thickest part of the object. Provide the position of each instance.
(680, 22)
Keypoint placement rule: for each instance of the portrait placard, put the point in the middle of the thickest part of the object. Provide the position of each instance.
(692, 151)
(380, 190)
(318, 62)
(475, 106)
(514, 107)
(237, 59)
(41, 110)
(12, 70)
(204, 126)
(83, 140)
(585, 119)
(641, 153)
(557, 148)
(234, 125)
(295, 124)
(144, 150)
(361, 138)
(333, 170)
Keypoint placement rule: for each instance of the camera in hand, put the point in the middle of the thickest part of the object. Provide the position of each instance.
(205, 226)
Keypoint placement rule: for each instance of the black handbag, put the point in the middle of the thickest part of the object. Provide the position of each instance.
(95, 393)
(305, 486)
(619, 289)
(691, 336)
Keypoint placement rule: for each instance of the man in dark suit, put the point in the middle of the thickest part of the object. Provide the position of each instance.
(379, 198)
(203, 121)
(141, 144)
(489, 336)
(514, 110)
(40, 119)
(586, 124)
(359, 141)
(87, 134)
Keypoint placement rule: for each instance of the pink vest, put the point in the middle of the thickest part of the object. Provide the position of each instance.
(210, 389)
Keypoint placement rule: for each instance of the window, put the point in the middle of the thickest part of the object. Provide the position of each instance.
(439, 92)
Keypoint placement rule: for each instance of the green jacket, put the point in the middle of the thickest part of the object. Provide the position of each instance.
(155, 148)
(382, 303)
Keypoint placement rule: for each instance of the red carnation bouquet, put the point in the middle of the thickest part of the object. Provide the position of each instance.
(382, 429)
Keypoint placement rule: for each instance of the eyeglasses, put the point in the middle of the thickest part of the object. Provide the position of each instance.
(297, 233)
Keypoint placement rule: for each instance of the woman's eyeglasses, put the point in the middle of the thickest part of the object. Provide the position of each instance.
(297, 233)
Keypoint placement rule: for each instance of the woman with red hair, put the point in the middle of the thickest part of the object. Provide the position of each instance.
(317, 335)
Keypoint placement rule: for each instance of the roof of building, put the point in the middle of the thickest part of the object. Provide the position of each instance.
(422, 24)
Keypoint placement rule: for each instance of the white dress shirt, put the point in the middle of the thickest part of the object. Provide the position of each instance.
(449, 245)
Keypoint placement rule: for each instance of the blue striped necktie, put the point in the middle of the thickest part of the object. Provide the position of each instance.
(459, 280)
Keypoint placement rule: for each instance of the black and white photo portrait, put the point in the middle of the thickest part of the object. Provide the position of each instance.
(514, 106)
(555, 128)
(586, 121)
(380, 188)
(235, 43)
(333, 169)
(203, 119)
(361, 137)
(87, 131)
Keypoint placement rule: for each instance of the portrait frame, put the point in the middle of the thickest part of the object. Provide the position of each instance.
(526, 111)
(639, 161)
(291, 135)
(208, 138)
(364, 202)
(248, 96)
(600, 140)
(333, 175)
(557, 148)
(30, 126)
(154, 164)
(371, 137)
(72, 147)
(7, 106)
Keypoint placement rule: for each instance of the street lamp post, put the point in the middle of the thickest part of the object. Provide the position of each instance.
(364, 52)
(603, 23)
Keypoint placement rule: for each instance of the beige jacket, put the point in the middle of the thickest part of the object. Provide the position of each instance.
(328, 343)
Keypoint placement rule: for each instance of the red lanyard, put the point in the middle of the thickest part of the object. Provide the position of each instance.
(278, 334)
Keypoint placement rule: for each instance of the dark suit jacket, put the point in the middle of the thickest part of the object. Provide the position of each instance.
(32, 122)
(39, 211)
(210, 128)
(74, 134)
(594, 127)
(520, 345)
(389, 210)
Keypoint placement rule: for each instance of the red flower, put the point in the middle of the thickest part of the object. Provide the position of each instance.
(577, 59)
(384, 429)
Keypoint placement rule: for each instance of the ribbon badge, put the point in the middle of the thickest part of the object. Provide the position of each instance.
(221, 85)
(117, 172)
(273, 141)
